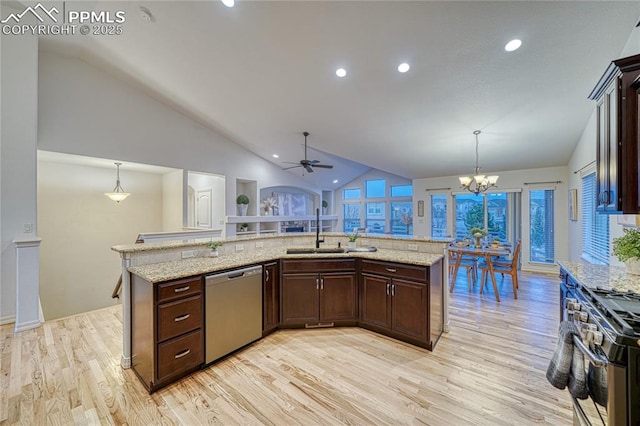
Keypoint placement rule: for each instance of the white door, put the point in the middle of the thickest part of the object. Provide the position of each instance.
(203, 208)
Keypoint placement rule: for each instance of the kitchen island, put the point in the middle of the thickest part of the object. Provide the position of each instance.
(396, 290)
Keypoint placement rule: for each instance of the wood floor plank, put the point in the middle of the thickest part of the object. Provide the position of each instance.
(488, 370)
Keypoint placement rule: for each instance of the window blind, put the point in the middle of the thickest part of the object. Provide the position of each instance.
(595, 227)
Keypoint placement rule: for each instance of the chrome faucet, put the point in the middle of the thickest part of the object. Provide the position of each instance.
(318, 240)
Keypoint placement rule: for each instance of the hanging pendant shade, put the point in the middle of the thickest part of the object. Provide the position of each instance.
(118, 193)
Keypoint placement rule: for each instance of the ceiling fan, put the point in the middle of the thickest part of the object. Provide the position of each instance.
(308, 164)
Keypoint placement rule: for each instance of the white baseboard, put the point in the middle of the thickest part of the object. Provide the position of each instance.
(9, 319)
(27, 326)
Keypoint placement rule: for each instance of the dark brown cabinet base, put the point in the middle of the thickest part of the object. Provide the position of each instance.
(167, 333)
(319, 292)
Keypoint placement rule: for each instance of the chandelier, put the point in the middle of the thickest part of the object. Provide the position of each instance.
(118, 193)
(477, 183)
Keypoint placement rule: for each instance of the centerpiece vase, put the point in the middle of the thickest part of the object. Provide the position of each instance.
(477, 240)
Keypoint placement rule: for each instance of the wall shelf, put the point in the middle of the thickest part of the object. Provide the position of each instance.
(278, 224)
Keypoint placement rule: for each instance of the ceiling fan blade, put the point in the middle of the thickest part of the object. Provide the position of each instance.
(323, 166)
(313, 161)
(292, 162)
(292, 167)
(309, 169)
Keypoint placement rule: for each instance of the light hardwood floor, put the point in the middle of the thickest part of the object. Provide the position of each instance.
(488, 370)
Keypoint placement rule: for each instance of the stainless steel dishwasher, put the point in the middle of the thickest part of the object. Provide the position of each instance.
(233, 311)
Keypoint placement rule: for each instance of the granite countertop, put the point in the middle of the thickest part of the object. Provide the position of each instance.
(165, 245)
(166, 271)
(607, 277)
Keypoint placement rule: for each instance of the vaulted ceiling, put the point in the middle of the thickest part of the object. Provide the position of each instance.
(263, 72)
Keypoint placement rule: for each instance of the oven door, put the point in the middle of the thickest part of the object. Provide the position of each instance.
(587, 412)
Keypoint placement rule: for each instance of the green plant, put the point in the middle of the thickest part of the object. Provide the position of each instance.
(627, 246)
(325, 204)
(242, 199)
(213, 245)
(353, 237)
(475, 231)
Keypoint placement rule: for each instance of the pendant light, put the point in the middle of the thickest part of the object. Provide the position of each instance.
(118, 193)
(477, 183)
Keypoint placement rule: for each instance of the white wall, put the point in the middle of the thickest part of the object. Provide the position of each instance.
(515, 179)
(79, 224)
(19, 132)
(173, 201)
(123, 121)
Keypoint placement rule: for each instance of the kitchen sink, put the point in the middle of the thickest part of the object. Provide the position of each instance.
(312, 250)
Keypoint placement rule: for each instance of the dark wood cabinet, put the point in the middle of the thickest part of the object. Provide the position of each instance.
(617, 138)
(271, 297)
(395, 300)
(167, 334)
(318, 292)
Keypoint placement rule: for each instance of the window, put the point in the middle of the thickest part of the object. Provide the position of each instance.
(595, 227)
(351, 216)
(402, 218)
(375, 188)
(497, 216)
(497, 212)
(351, 194)
(541, 239)
(375, 217)
(402, 191)
(439, 215)
(469, 214)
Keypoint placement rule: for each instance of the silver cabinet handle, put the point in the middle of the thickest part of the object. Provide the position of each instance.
(393, 289)
(317, 283)
(267, 275)
(182, 318)
(321, 283)
(181, 289)
(388, 286)
(391, 270)
(183, 353)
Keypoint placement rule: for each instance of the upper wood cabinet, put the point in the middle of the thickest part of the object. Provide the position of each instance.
(616, 96)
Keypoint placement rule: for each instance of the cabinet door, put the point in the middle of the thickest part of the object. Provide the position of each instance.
(270, 296)
(300, 298)
(375, 308)
(338, 297)
(409, 308)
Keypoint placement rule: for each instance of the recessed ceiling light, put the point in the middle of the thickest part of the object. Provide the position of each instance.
(228, 3)
(335, 181)
(403, 67)
(513, 45)
(341, 72)
(276, 156)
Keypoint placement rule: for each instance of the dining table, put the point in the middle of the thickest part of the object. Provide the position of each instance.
(487, 252)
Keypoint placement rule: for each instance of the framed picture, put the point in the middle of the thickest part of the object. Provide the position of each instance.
(573, 204)
(420, 208)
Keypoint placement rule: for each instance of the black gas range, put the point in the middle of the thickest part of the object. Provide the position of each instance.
(609, 324)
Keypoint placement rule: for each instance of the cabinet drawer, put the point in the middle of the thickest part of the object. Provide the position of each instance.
(180, 288)
(179, 355)
(418, 273)
(319, 265)
(179, 317)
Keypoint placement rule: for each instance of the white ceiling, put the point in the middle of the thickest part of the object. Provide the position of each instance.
(264, 71)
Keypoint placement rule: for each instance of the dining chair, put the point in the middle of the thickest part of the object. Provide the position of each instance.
(469, 263)
(503, 267)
